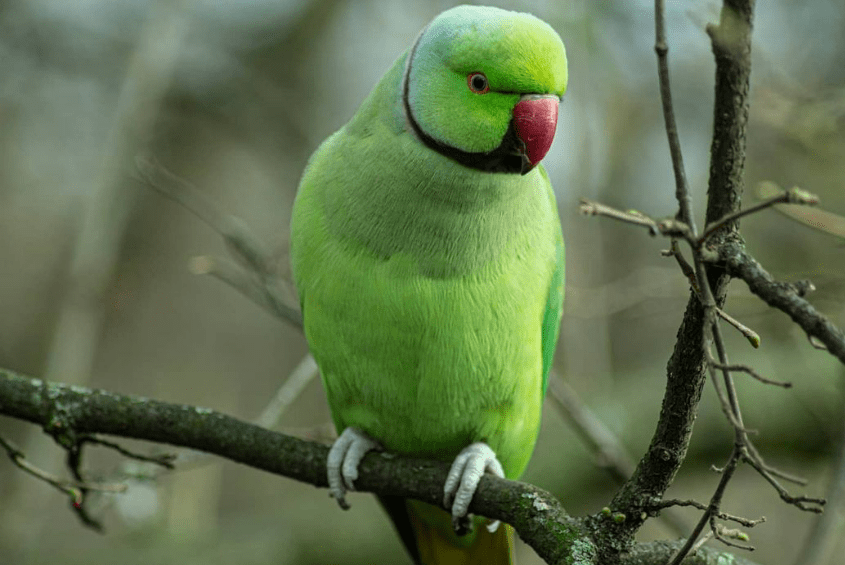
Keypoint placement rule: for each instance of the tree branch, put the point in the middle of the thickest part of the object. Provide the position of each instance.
(662, 551)
(787, 297)
(791, 196)
(67, 413)
(731, 43)
(255, 277)
(686, 369)
(681, 187)
(72, 488)
(71, 413)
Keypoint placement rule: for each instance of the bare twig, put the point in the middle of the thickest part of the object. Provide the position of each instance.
(670, 227)
(750, 371)
(724, 400)
(265, 292)
(712, 509)
(238, 237)
(784, 297)
(805, 503)
(686, 268)
(747, 522)
(74, 463)
(716, 336)
(592, 208)
(164, 460)
(814, 218)
(725, 535)
(256, 277)
(792, 196)
(303, 374)
(681, 188)
(752, 452)
(752, 336)
(698, 545)
(71, 488)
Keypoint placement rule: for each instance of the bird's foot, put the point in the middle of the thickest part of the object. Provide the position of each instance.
(470, 464)
(342, 465)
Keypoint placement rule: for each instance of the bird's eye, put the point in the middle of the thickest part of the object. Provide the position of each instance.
(477, 82)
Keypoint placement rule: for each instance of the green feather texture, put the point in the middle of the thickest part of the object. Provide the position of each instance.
(431, 290)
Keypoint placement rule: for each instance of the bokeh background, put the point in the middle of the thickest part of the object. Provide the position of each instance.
(234, 95)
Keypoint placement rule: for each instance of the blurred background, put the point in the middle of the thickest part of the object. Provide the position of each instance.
(234, 95)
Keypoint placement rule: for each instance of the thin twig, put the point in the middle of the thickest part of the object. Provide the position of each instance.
(79, 507)
(724, 401)
(303, 374)
(752, 336)
(747, 522)
(817, 219)
(749, 334)
(713, 507)
(164, 460)
(681, 188)
(265, 293)
(592, 208)
(71, 488)
(704, 539)
(234, 231)
(725, 535)
(750, 371)
(792, 196)
(716, 334)
(784, 297)
(752, 452)
(256, 277)
(806, 503)
(669, 227)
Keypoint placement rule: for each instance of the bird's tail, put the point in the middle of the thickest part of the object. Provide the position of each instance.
(428, 535)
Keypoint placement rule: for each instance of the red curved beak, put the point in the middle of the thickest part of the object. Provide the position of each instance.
(535, 120)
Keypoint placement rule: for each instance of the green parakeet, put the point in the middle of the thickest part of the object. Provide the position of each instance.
(428, 256)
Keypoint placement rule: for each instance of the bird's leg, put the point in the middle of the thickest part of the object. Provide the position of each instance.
(462, 480)
(342, 465)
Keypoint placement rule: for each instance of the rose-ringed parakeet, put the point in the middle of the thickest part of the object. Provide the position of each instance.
(428, 256)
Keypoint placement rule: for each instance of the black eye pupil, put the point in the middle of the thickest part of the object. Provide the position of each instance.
(479, 82)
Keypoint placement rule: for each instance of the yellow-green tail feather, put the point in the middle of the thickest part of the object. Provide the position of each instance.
(436, 543)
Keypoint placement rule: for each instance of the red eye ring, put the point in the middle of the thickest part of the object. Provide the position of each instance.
(477, 82)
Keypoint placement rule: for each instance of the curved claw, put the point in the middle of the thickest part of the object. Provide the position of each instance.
(462, 481)
(342, 465)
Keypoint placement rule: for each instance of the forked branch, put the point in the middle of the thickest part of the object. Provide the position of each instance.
(708, 279)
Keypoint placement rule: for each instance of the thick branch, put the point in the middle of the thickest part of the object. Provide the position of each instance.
(661, 551)
(731, 41)
(783, 296)
(68, 412)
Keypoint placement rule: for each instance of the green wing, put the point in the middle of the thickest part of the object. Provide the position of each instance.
(554, 303)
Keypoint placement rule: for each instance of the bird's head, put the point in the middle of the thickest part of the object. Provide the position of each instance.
(482, 86)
